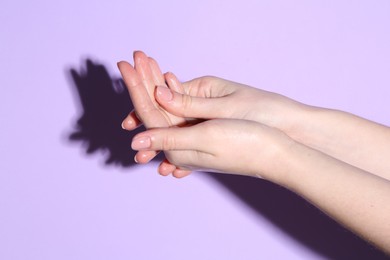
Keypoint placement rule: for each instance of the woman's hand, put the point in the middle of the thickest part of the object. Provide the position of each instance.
(249, 148)
(271, 137)
(223, 145)
(211, 97)
(141, 81)
(328, 131)
(205, 98)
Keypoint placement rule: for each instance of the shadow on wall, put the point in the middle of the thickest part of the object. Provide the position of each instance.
(105, 103)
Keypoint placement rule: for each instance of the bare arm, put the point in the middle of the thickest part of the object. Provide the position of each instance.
(335, 160)
(349, 138)
(355, 198)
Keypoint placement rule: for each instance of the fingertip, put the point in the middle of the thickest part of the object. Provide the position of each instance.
(170, 100)
(165, 168)
(164, 94)
(143, 157)
(129, 124)
(168, 75)
(138, 55)
(180, 173)
(162, 173)
(136, 52)
(126, 69)
(121, 63)
(173, 82)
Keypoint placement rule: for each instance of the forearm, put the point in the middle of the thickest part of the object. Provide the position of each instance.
(349, 138)
(353, 197)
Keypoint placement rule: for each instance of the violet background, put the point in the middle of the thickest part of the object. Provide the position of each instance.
(58, 201)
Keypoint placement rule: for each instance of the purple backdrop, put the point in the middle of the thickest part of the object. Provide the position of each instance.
(68, 187)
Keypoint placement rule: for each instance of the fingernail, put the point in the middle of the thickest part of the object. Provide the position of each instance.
(141, 143)
(164, 93)
(127, 122)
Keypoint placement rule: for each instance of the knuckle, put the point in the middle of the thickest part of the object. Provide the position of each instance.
(169, 142)
(187, 103)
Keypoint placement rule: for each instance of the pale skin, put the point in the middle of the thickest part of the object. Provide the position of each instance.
(335, 160)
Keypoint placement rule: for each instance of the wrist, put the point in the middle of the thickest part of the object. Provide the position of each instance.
(317, 128)
(274, 160)
(293, 118)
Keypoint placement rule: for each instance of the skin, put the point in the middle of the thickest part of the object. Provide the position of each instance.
(326, 130)
(141, 81)
(337, 188)
(308, 150)
(315, 127)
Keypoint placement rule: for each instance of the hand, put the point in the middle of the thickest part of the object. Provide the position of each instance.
(141, 81)
(326, 130)
(223, 145)
(212, 97)
(206, 97)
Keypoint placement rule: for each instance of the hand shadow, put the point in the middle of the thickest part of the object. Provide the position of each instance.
(105, 103)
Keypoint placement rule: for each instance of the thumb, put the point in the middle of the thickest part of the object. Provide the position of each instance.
(168, 139)
(188, 106)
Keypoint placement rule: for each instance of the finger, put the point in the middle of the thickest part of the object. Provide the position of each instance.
(143, 157)
(165, 168)
(131, 122)
(188, 106)
(158, 77)
(173, 83)
(142, 66)
(180, 173)
(142, 101)
(169, 139)
(138, 93)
